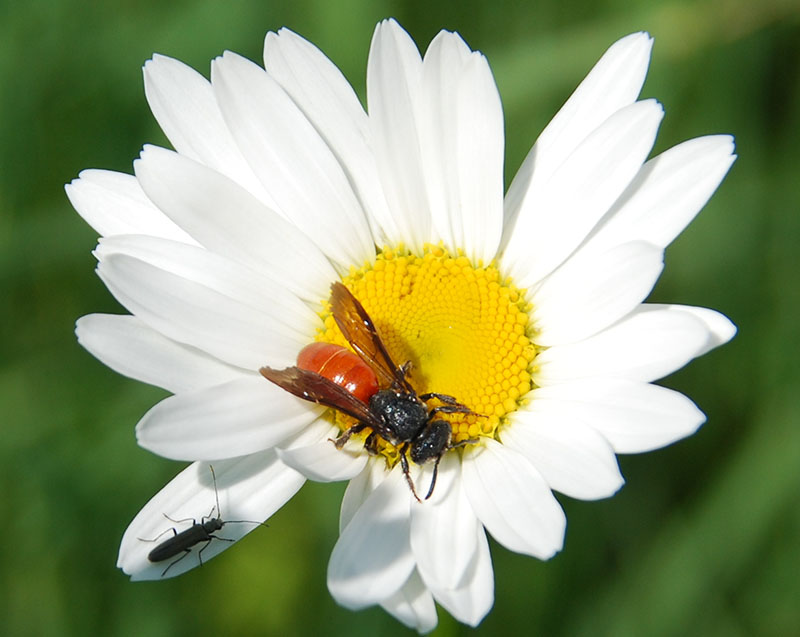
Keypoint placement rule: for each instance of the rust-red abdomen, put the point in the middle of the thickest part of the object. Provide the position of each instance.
(340, 365)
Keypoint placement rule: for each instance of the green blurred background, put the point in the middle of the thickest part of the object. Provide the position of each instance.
(704, 539)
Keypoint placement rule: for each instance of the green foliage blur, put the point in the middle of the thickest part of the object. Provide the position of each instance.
(705, 538)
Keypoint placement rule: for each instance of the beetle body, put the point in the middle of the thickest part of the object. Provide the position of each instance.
(203, 531)
(186, 539)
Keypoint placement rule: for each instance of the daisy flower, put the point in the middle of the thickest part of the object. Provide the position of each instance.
(527, 308)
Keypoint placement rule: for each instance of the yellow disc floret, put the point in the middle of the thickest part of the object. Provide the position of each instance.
(463, 328)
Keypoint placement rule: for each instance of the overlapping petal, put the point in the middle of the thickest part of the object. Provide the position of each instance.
(633, 416)
(224, 421)
(290, 158)
(462, 144)
(394, 84)
(592, 291)
(557, 214)
(629, 349)
(113, 203)
(613, 84)
(413, 605)
(444, 557)
(512, 500)
(571, 456)
(132, 349)
(373, 558)
(668, 192)
(229, 221)
(204, 311)
(184, 105)
(323, 462)
(328, 101)
(473, 597)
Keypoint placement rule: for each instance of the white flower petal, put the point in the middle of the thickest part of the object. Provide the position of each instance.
(250, 488)
(205, 317)
(218, 273)
(648, 344)
(557, 214)
(328, 101)
(462, 147)
(473, 598)
(292, 161)
(359, 488)
(442, 70)
(413, 605)
(443, 558)
(667, 193)
(229, 221)
(323, 462)
(114, 203)
(234, 419)
(311, 434)
(131, 348)
(633, 416)
(394, 76)
(573, 458)
(613, 83)
(719, 326)
(183, 103)
(372, 558)
(591, 291)
(512, 500)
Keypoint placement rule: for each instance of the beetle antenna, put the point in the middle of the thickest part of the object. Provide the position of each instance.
(264, 524)
(216, 493)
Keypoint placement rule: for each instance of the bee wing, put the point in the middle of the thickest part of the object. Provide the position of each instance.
(359, 330)
(318, 389)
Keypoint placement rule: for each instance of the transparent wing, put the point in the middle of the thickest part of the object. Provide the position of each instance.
(318, 389)
(359, 330)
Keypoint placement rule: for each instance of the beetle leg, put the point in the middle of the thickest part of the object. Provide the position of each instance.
(192, 520)
(155, 539)
(174, 562)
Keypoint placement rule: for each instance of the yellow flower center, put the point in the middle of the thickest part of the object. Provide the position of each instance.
(463, 328)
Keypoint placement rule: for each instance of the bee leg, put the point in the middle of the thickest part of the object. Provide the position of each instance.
(371, 444)
(445, 398)
(404, 465)
(405, 368)
(462, 443)
(435, 474)
(449, 409)
(341, 440)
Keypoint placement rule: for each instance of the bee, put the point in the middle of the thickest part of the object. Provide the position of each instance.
(333, 376)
